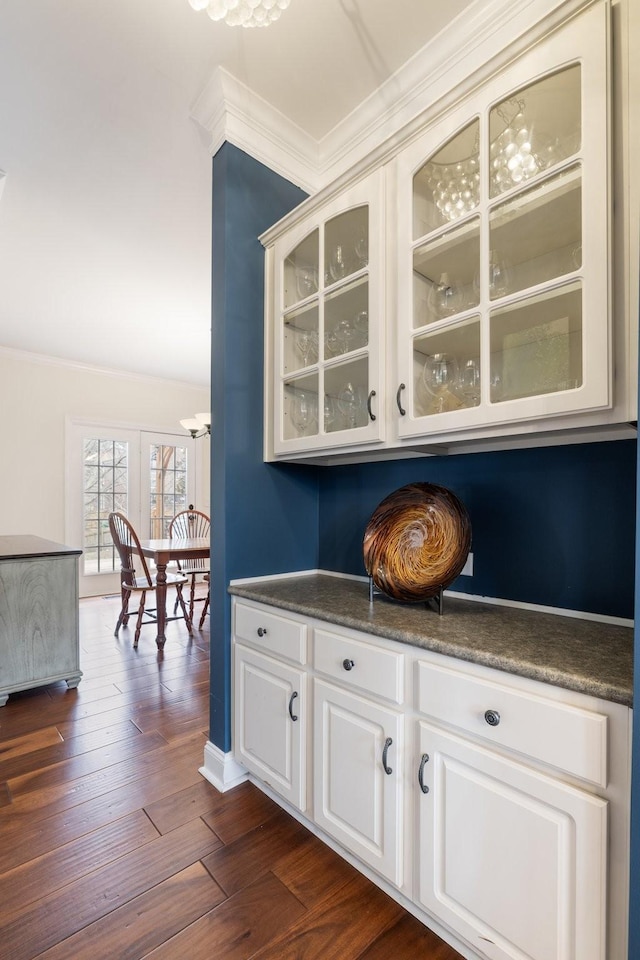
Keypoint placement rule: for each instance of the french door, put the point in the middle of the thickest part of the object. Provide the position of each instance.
(148, 476)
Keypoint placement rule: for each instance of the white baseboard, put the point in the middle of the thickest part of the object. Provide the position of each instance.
(221, 769)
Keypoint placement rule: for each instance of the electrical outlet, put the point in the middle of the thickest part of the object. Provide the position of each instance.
(467, 570)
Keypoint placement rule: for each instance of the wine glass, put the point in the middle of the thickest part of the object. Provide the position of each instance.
(444, 297)
(306, 282)
(305, 345)
(338, 263)
(470, 382)
(361, 248)
(348, 404)
(361, 324)
(329, 412)
(304, 412)
(440, 374)
(332, 344)
(499, 276)
(345, 332)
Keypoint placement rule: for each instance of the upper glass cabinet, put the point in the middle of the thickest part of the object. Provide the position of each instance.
(503, 296)
(326, 326)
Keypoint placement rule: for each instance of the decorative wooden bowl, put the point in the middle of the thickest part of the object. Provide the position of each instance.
(417, 541)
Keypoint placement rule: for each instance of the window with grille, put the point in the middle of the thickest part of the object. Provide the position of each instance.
(168, 486)
(105, 490)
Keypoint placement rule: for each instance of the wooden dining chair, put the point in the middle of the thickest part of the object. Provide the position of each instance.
(193, 523)
(126, 542)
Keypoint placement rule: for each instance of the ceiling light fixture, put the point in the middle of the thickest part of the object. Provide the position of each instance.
(198, 426)
(242, 13)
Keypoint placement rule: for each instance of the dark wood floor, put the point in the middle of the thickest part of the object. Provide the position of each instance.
(113, 846)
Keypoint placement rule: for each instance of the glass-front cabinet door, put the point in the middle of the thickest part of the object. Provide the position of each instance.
(328, 383)
(503, 256)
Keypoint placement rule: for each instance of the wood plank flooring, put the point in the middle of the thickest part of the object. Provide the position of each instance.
(113, 846)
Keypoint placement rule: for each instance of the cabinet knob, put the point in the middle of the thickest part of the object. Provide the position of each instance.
(398, 401)
(492, 717)
(348, 664)
(262, 631)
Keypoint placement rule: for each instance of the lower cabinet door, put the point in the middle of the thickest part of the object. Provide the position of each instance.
(358, 776)
(270, 722)
(511, 859)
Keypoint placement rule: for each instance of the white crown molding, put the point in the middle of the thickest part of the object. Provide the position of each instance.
(481, 40)
(230, 111)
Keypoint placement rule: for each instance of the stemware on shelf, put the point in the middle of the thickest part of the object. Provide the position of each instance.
(329, 412)
(470, 382)
(440, 376)
(338, 263)
(304, 412)
(346, 334)
(348, 403)
(444, 297)
(499, 276)
(307, 346)
(361, 249)
(306, 282)
(361, 325)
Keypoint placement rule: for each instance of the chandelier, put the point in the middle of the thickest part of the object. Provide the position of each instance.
(242, 13)
(513, 158)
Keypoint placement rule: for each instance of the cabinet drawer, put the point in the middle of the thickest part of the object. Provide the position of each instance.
(360, 664)
(567, 737)
(279, 635)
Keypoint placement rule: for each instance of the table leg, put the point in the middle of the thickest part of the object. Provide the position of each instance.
(161, 601)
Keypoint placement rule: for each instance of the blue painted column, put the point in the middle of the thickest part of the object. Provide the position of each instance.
(264, 517)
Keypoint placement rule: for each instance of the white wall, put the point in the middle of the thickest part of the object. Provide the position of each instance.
(37, 394)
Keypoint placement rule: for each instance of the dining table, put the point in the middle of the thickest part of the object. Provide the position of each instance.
(162, 552)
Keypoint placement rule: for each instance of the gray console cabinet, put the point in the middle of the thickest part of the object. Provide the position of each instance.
(39, 641)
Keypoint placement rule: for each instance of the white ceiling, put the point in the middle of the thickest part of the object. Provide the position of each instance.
(105, 216)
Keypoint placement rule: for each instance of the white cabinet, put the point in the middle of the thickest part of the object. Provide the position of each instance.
(503, 246)
(492, 268)
(511, 859)
(325, 331)
(270, 701)
(358, 776)
(518, 815)
(359, 749)
(494, 807)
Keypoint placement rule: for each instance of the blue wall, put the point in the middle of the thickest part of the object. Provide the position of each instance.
(252, 504)
(552, 526)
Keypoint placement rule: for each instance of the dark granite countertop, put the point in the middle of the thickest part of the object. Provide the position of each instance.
(583, 655)
(24, 546)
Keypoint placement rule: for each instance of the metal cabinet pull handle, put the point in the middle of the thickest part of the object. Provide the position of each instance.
(372, 394)
(262, 631)
(291, 713)
(423, 786)
(387, 744)
(492, 717)
(348, 664)
(400, 407)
